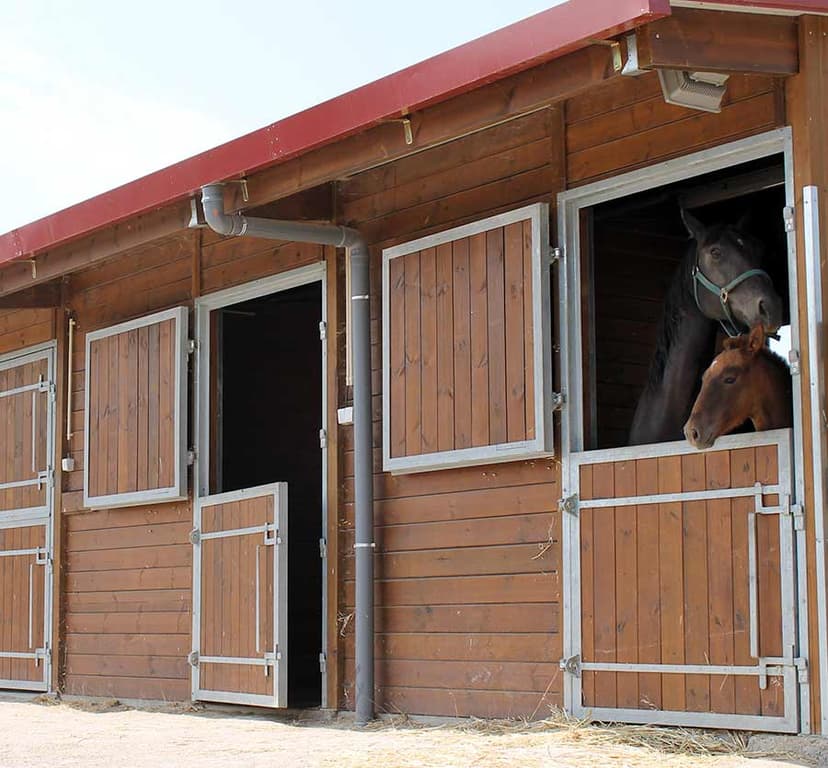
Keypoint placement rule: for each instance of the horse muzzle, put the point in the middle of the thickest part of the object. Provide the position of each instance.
(698, 437)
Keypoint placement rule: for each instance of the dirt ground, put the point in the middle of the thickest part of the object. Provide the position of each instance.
(64, 735)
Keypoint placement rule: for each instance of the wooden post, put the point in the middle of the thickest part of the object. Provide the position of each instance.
(807, 113)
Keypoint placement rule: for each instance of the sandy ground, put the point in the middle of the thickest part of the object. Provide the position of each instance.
(61, 736)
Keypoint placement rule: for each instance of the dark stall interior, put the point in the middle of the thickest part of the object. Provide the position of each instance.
(631, 248)
(269, 413)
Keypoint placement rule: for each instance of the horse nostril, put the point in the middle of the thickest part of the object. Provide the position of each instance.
(763, 310)
(694, 434)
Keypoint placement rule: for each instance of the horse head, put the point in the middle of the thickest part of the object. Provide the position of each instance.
(729, 284)
(745, 382)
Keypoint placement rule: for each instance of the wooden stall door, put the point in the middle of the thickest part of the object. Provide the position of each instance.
(240, 597)
(683, 598)
(26, 485)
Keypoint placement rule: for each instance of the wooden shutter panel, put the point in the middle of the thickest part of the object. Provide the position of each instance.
(136, 415)
(466, 345)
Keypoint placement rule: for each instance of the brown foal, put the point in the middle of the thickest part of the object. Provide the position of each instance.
(745, 382)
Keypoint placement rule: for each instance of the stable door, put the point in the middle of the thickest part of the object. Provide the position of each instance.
(26, 492)
(240, 630)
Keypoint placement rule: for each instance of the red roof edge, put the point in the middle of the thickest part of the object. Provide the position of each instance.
(506, 51)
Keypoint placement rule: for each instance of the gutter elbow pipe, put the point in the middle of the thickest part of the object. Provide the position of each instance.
(236, 224)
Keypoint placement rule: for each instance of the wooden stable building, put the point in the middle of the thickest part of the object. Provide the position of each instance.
(179, 474)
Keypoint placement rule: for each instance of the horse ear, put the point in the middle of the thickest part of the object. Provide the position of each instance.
(756, 340)
(694, 226)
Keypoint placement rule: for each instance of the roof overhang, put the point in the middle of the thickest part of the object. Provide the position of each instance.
(542, 37)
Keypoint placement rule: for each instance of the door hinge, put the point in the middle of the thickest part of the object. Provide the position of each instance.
(192, 346)
(323, 438)
(793, 359)
(323, 330)
(323, 548)
(191, 457)
(572, 665)
(43, 654)
(797, 511)
(195, 536)
(569, 504)
(192, 658)
(788, 216)
(802, 669)
(556, 253)
(323, 663)
(557, 401)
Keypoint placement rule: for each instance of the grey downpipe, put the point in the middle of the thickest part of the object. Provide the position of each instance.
(212, 200)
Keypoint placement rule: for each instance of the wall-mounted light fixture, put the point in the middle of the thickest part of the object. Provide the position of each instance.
(696, 90)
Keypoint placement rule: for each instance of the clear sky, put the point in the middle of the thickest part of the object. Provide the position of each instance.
(95, 93)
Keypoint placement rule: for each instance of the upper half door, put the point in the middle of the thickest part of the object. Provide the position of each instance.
(26, 398)
(240, 601)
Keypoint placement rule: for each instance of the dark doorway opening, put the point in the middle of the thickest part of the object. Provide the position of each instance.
(631, 247)
(267, 414)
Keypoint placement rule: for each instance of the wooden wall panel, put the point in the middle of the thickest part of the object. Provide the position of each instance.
(127, 580)
(126, 574)
(626, 124)
(468, 564)
(21, 328)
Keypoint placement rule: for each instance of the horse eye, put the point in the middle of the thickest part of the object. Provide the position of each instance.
(715, 252)
(729, 380)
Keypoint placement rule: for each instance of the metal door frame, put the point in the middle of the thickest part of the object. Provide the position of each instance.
(275, 535)
(36, 516)
(570, 204)
(204, 305)
(788, 667)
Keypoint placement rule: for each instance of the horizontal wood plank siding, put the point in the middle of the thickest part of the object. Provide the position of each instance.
(468, 568)
(126, 583)
(626, 124)
(128, 574)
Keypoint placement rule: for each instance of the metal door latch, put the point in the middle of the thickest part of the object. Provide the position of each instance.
(192, 658)
(195, 536)
(557, 401)
(569, 504)
(572, 665)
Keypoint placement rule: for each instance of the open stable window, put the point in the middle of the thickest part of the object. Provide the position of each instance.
(136, 415)
(467, 345)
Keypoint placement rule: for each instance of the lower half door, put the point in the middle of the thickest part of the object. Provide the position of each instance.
(240, 597)
(683, 590)
(23, 606)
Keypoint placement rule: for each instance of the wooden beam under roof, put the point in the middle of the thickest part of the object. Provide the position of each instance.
(37, 297)
(720, 41)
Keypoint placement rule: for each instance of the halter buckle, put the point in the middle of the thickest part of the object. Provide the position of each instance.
(723, 294)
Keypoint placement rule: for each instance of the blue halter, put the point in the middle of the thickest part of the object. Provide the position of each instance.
(723, 292)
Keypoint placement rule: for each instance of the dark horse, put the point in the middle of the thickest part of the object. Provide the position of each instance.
(745, 382)
(720, 281)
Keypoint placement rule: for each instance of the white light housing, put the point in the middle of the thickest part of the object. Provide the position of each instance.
(696, 90)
